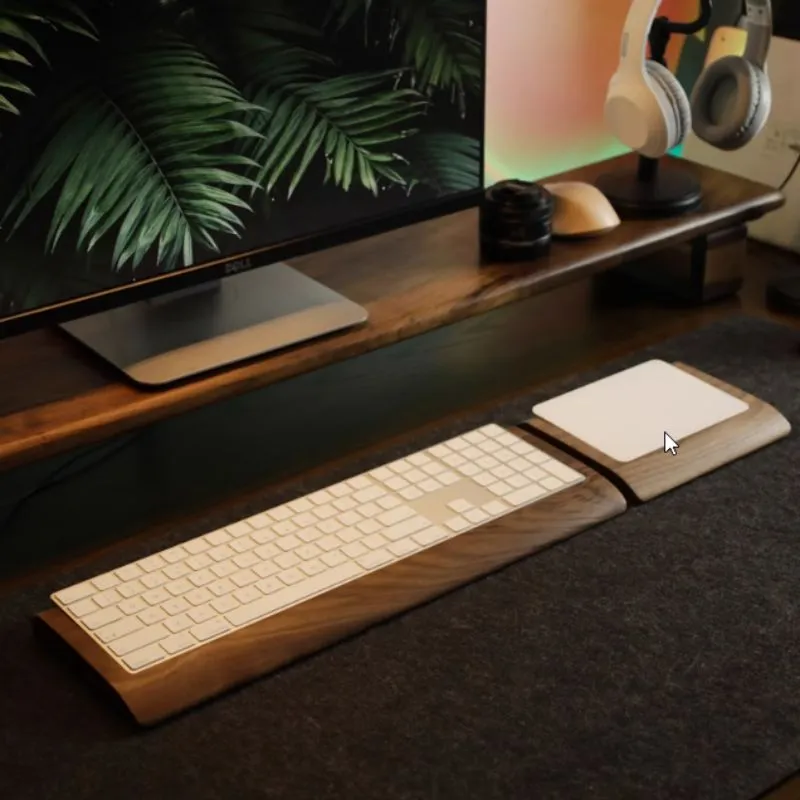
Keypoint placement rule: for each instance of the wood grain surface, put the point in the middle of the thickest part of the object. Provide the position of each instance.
(654, 474)
(56, 396)
(178, 684)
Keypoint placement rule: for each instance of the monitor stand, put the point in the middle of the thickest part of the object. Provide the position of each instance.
(183, 334)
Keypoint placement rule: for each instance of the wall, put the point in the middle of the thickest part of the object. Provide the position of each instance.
(548, 69)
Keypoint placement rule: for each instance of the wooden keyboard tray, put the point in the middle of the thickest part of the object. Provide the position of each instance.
(183, 682)
(660, 472)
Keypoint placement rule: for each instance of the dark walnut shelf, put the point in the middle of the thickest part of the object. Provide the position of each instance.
(55, 396)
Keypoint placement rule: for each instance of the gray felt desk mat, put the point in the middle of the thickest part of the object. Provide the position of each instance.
(655, 656)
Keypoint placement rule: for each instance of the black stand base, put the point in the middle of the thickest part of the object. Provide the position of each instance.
(783, 294)
(672, 191)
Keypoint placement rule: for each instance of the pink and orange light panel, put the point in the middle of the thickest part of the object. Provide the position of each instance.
(548, 67)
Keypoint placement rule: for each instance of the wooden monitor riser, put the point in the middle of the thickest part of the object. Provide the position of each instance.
(659, 472)
(186, 681)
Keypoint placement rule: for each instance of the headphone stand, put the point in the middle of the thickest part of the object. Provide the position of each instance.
(652, 189)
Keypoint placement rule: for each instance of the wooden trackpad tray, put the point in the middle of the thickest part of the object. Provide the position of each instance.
(657, 426)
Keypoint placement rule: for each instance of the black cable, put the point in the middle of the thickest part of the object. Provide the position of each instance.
(63, 473)
(794, 170)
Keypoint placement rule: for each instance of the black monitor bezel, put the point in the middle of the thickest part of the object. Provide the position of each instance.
(189, 277)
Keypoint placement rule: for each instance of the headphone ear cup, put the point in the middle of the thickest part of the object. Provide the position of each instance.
(730, 104)
(679, 110)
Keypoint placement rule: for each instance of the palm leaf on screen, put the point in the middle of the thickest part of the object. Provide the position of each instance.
(445, 162)
(21, 24)
(354, 121)
(442, 43)
(135, 154)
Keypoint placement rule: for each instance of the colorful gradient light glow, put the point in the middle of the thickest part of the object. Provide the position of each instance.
(548, 68)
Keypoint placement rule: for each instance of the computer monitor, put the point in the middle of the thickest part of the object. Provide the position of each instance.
(159, 159)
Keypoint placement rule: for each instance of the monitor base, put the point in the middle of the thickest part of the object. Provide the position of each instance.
(182, 335)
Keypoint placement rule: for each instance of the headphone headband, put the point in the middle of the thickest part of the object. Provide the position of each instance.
(757, 21)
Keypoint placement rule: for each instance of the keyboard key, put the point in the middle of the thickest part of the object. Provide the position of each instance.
(457, 524)
(210, 629)
(176, 606)
(107, 581)
(239, 529)
(551, 484)
(405, 528)
(522, 496)
(387, 502)
(129, 573)
(226, 568)
(290, 576)
(84, 607)
(154, 579)
(439, 451)
(396, 515)
(340, 490)
(152, 615)
(381, 474)
(359, 482)
(412, 493)
(476, 516)
(144, 657)
(460, 506)
(300, 505)
(105, 616)
(368, 495)
(495, 508)
(403, 548)
(292, 594)
(179, 623)
(116, 630)
(218, 537)
(312, 567)
(195, 547)
(474, 437)
(448, 478)
(224, 604)
(109, 598)
(178, 642)
(284, 528)
(132, 606)
(287, 560)
(430, 536)
(321, 498)
(131, 588)
(369, 526)
(175, 571)
(280, 513)
(201, 613)
(152, 563)
(249, 593)
(139, 639)
(244, 578)
(75, 593)
(430, 485)
(377, 558)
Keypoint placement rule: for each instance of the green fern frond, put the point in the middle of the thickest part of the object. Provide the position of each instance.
(20, 23)
(442, 41)
(135, 153)
(444, 162)
(353, 121)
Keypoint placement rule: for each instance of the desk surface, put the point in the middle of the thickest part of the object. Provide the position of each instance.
(412, 280)
(610, 331)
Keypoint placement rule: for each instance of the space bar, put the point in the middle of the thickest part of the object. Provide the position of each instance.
(293, 594)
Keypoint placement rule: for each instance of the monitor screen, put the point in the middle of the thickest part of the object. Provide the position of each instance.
(142, 139)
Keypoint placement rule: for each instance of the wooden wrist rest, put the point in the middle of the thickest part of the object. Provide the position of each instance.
(659, 472)
(183, 682)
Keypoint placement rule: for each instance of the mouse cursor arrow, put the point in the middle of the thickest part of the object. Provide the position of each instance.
(670, 445)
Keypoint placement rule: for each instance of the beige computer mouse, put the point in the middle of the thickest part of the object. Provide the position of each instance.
(581, 210)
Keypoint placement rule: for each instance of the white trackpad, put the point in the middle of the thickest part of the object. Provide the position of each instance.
(625, 416)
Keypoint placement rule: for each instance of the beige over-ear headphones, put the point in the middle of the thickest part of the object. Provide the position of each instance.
(648, 110)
